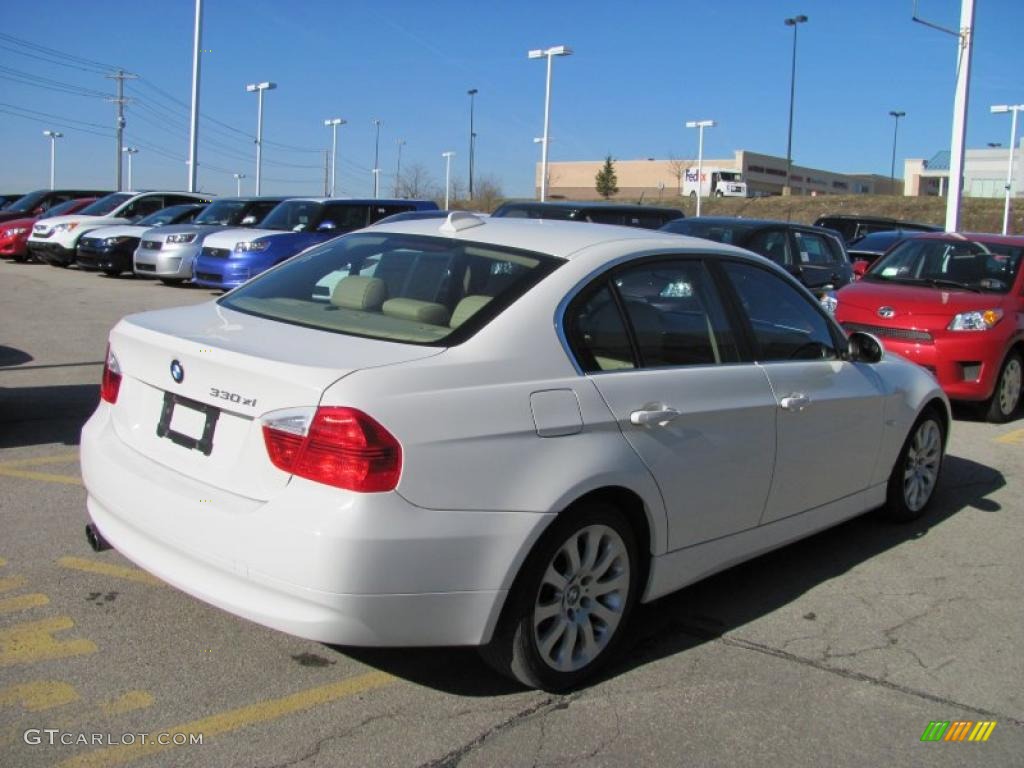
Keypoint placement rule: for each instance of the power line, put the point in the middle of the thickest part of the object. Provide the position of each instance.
(42, 49)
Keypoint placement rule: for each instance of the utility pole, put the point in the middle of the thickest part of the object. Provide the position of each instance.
(472, 92)
(398, 169)
(120, 101)
(193, 145)
(327, 173)
(376, 160)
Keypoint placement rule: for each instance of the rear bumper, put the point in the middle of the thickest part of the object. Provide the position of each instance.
(314, 561)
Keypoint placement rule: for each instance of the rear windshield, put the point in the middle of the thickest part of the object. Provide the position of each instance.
(967, 264)
(431, 291)
(719, 231)
(106, 204)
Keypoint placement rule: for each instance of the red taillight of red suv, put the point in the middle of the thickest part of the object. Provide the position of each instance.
(111, 382)
(343, 447)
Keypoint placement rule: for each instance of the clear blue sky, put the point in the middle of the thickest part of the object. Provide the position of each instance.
(639, 71)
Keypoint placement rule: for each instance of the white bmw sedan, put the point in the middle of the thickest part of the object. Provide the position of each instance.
(494, 432)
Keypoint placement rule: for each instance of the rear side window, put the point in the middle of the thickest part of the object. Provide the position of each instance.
(773, 244)
(413, 289)
(814, 249)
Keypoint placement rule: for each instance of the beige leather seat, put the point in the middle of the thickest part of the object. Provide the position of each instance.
(466, 308)
(356, 292)
(418, 311)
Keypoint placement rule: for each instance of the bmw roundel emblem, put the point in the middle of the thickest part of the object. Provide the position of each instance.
(177, 371)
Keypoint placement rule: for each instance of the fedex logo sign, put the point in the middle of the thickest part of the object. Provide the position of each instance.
(692, 175)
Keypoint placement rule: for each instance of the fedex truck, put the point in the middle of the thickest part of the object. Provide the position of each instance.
(714, 182)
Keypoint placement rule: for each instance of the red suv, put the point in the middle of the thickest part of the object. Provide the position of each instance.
(14, 234)
(953, 303)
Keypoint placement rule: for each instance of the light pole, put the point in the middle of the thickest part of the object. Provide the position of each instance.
(130, 151)
(447, 176)
(259, 88)
(333, 123)
(1002, 109)
(793, 22)
(376, 161)
(53, 136)
(700, 125)
(472, 92)
(549, 54)
(238, 183)
(398, 168)
(892, 168)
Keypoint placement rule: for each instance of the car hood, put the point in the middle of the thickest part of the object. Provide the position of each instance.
(912, 300)
(16, 223)
(229, 237)
(120, 230)
(161, 233)
(85, 223)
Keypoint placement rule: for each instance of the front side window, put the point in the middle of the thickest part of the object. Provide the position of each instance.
(293, 216)
(774, 245)
(343, 217)
(814, 249)
(407, 288)
(965, 264)
(784, 324)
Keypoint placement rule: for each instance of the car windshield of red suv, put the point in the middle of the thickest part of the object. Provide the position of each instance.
(969, 264)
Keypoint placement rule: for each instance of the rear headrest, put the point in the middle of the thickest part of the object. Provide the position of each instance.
(466, 308)
(416, 310)
(355, 292)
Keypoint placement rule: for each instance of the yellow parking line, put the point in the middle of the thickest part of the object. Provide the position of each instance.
(233, 719)
(108, 569)
(34, 641)
(22, 602)
(39, 695)
(1017, 436)
(129, 702)
(46, 477)
(65, 458)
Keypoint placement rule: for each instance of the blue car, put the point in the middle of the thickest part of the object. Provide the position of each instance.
(231, 257)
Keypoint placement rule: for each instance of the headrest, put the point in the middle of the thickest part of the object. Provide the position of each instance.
(355, 292)
(418, 311)
(466, 308)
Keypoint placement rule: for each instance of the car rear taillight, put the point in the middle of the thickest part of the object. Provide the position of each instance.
(111, 383)
(338, 446)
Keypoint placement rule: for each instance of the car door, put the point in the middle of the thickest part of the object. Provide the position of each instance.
(660, 349)
(830, 410)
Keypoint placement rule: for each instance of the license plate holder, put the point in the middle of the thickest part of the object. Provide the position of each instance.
(204, 443)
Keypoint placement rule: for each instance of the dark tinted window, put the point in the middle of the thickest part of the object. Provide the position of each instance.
(772, 244)
(343, 217)
(378, 212)
(815, 249)
(598, 333)
(719, 231)
(28, 202)
(143, 207)
(293, 216)
(60, 209)
(786, 326)
(175, 214)
(106, 204)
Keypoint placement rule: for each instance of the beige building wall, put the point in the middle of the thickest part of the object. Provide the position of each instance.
(661, 179)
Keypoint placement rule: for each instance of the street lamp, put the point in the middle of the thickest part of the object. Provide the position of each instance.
(376, 161)
(398, 168)
(238, 183)
(333, 123)
(700, 125)
(259, 88)
(792, 22)
(53, 136)
(130, 151)
(896, 127)
(1001, 109)
(447, 176)
(549, 54)
(472, 92)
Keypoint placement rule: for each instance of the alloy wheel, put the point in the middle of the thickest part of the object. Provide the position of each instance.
(922, 466)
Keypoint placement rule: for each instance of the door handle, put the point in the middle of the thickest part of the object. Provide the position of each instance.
(653, 415)
(795, 402)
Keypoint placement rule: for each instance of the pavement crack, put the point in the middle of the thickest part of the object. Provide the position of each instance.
(314, 750)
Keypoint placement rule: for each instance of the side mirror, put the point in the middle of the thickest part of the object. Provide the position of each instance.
(865, 348)
(794, 269)
(860, 266)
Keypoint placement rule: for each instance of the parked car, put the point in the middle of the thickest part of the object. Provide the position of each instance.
(954, 304)
(14, 233)
(853, 226)
(595, 212)
(814, 256)
(866, 250)
(169, 253)
(507, 436)
(110, 249)
(231, 257)
(56, 240)
(8, 198)
(39, 202)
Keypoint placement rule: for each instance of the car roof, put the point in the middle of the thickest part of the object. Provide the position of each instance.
(562, 239)
(360, 200)
(1017, 241)
(593, 204)
(871, 218)
(751, 222)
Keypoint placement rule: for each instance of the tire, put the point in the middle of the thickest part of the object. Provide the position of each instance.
(21, 258)
(719, 193)
(112, 272)
(565, 616)
(916, 472)
(172, 280)
(693, 195)
(1005, 401)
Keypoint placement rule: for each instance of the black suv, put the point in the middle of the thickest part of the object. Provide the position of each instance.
(854, 226)
(815, 256)
(643, 216)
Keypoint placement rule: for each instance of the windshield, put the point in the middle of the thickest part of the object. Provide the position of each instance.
(731, 176)
(106, 204)
(414, 289)
(293, 216)
(28, 202)
(165, 216)
(60, 210)
(879, 242)
(222, 213)
(719, 231)
(966, 264)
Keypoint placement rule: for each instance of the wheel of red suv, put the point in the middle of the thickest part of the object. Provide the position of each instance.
(916, 472)
(569, 606)
(1006, 399)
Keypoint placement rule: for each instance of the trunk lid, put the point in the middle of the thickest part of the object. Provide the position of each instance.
(235, 367)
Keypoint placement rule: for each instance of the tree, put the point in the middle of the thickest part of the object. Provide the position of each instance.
(606, 182)
(487, 194)
(417, 183)
(677, 170)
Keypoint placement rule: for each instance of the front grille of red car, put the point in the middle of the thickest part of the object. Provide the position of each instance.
(905, 334)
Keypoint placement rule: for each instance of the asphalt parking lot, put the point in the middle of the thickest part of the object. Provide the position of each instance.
(839, 650)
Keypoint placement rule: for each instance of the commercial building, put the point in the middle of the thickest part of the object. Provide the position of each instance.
(984, 174)
(662, 179)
